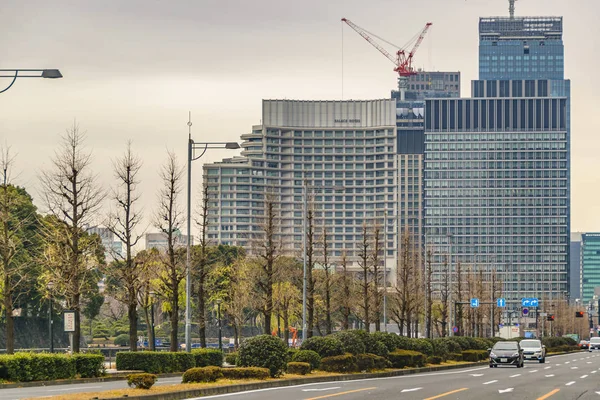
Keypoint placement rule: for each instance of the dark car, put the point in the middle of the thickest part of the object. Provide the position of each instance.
(584, 344)
(506, 353)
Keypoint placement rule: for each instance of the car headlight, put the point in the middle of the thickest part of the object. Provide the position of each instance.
(515, 355)
(492, 355)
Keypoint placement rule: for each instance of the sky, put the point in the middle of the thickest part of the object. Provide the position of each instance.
(133, 69)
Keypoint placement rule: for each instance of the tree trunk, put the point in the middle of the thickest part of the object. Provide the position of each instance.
(286, 326)
(174, 317)
(10, 323)
(148, 321)
(77, 333)
(269, 307)
(133, 319)
(202, 313)
(328, 327)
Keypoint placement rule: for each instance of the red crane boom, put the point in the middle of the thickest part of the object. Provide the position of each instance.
(402, 61)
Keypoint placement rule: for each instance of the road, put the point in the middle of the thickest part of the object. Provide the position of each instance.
(572, 376)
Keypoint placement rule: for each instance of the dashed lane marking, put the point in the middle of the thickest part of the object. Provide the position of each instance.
(487, 383)
(569, 383)
(514, 376)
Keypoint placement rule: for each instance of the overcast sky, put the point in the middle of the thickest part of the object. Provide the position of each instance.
(134, 68)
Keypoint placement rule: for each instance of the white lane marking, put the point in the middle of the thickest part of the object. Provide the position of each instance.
(547, 368)
(569, 383)
(487, 383)
(574, 367)
(549, 376)
(535, 370)
(593, 372)
(514, 376)
(476, 375)
(320, 390)
(217, 396)
(77, 388)
(567, 362)
(556, 364)
(410, 390)
(506, 390)
(583, 376)
(589, 362)
(597, 392)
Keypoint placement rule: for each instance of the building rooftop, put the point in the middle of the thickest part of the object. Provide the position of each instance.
(521, 26)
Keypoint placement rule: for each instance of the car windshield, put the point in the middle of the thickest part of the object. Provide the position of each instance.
(531, 343)
(595, 340)
(505, 346)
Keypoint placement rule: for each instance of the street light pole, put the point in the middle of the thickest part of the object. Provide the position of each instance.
(40, 73)
(450, 311)
(385, 272)
(304, 283)
(153, 338)
(188, 284)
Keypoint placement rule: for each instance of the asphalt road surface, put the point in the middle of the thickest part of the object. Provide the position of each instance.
(572, 376)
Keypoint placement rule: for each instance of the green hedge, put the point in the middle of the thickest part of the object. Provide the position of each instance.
(455, 356)
(155, 362)
(351, 342)
(563, 349)
(406, 358)
(246, 373)
(231, 358)
(324, 346)
(308, 356)
(344, 363)
(474, 355)
(298, 368)
(264, 351)
(202, 374)
(369, 362)
(208, 357)
(27, 367)
(434, 360)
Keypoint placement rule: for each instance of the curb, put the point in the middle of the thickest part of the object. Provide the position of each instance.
(217, 390)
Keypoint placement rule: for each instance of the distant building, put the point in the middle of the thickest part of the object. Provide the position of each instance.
(585, 247)
(159, 240)
(113, 248)
(575, 266)
(425, 84)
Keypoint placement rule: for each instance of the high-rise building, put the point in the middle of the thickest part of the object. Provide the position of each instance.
(497, 184)
(588, 257)
(429, 84)
(113, 247)
(521, 48)
(314, 146)
(575, 266)
(159, 241)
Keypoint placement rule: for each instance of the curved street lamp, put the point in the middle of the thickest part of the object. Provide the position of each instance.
(29, 73)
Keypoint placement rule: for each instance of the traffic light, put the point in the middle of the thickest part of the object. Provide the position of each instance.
(550, 317)
(578, 314)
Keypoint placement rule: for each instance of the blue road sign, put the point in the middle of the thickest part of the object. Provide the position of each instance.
(501, 302)
(529, 302)
(525, 311)
(455, 329)
(474, 303)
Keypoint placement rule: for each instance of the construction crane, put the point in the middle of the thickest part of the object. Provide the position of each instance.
(402, 60)
(511, 8)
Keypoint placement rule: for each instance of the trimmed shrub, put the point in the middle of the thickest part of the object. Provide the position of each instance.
(89, 365)
(452, 344)
(324, 346)
(27, 367)
(388, 339)
(208, 357)
(563, 349)
(367, 339)
(474, 355)
(422, 346)
(403, 343)
(369, 362)
(290, 353)
(298, 368)
(122, 340)
(202, 374)
(351, 342)
(344, 363)
(246, 373)
(434, 360)
(406, 358)
(231, 358)
(155, 362)
(308, 356)
(379, 349)
(264, 351)
(141, 381)
(455, 356)
(463, 342)
(440, 348)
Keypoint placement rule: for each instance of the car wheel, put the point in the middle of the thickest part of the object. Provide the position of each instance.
(491, 366)
(543, 360)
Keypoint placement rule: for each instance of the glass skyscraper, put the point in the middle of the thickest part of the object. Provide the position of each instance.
(590, 265)
(521, 48)
(496, 179)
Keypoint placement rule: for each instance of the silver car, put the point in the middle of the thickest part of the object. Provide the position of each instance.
(533, 349)
(594, 343)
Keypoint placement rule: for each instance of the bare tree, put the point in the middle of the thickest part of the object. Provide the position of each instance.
(327, 282)
(200, 265)
(402, 299)
(148, 264)
(168, 220)
(123, 222)
(365, 284)
(429, 297)
(310, 280)
(345, 299)
(73, 196)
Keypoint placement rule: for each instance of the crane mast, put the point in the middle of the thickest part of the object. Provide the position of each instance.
(402, 61)
(511, 8)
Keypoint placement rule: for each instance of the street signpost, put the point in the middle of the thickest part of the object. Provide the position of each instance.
(455, 329)
(501, 302)
(474, 303)
(525, 311)
(69, 325)
(529, 302)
